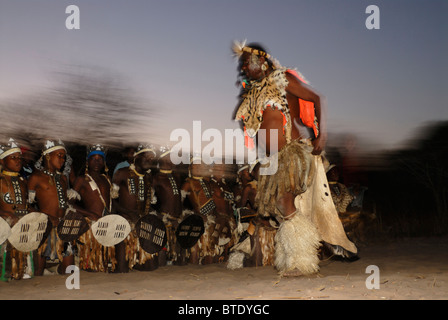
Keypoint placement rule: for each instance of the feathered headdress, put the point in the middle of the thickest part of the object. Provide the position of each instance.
(239, 48)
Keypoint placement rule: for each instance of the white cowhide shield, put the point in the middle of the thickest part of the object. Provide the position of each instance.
(111, 230)
(5, 230)
(28, 232)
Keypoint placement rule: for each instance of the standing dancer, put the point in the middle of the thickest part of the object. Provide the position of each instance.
(135, 196)
(169, 203)
(13, 204)
(48, 190)
(277, 100)
(95, 193)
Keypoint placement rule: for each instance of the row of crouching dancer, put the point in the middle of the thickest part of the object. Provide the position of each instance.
(149, 213)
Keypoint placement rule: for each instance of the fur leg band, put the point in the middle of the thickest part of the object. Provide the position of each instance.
(296, 245)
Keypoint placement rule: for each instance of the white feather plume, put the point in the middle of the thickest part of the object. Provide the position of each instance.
(237, 48)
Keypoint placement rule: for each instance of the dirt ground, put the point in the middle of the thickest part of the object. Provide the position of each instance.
(409, 269)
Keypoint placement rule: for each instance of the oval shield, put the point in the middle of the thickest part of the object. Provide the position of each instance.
(28, 233)
(189, 231)
(72, 226)
(111, 230)
(151, 233)
(5, 230)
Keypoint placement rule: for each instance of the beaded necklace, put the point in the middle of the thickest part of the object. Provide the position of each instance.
(210, 205)
(172, 180)
(18, 197)
(55, 179)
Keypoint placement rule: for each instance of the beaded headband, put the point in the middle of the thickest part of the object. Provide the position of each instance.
(144, 148)
(96, 149)
(51, 146)
(239, 48)
(8, 149)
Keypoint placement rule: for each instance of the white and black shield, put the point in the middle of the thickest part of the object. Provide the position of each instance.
(72, 226)
(111, 230)
(5, 230)
(29, 232)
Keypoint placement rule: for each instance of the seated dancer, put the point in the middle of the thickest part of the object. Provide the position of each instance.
(13, 206)
(95, 194)
(277, 106)
(339, 191)
(256, 244)
(169, 204)
(224, 200)
(27, 162)
(128, 158)
(221, 191)
(245, 190)
(356, 222)
(197, 191)
(135, 196)
(48, 190)
(242, 178)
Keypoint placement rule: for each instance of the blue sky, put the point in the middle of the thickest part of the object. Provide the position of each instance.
(175, 56)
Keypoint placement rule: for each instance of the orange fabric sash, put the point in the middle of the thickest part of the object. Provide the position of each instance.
(307, 114)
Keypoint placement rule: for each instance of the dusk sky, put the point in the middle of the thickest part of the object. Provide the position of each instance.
(175, 55)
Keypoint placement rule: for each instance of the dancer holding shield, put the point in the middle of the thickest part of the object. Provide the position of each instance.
(13, 206)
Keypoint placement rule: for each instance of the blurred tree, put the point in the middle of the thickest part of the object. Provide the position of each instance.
(86, 105)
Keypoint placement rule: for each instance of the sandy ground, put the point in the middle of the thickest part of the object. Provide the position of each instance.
(410, 269)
